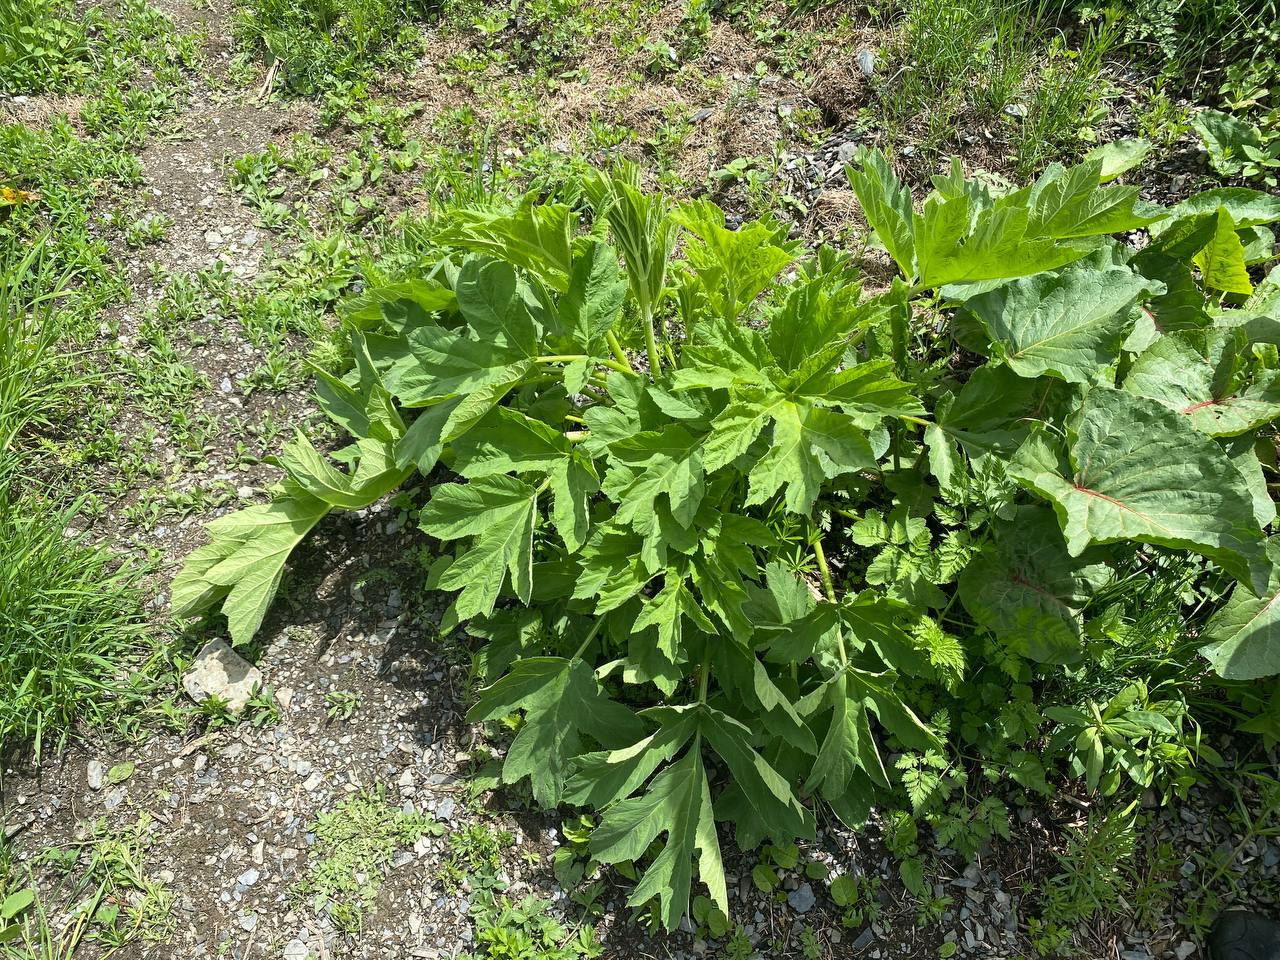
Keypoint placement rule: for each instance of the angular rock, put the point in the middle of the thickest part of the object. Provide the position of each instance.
(865, 939)
(801, 899)
(218, 671)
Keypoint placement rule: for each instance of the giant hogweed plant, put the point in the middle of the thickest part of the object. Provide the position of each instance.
(638, 465)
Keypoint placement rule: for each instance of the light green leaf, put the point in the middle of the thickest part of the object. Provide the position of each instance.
(1222, 261)
(996, 409)
(535, 236)
(810, 446)
(1243, 452)
(654, 464)
(573, 482)
(407, 300)
(13, 905)
(1180, 307)
(431, 364)
(1224, 135)
(667, 612)
(733, 266)
(762, 875)
(869, 390)
(887, 205)
(1247, 208)
(952, 246)
(499, 511)
(1068, 202)
(876, 691)
(593, 302)
(1266, 297)
(1259, 244)
(612, 571)
(844, 890)
(342, 404)
(1119, 157)
(815, 322)
(244, 561)
(1066, 325)
(497, 305)
(507, 441)
(314, 474)
(779, 710)
(424, 441)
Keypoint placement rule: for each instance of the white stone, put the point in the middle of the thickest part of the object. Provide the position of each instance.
(218, 671)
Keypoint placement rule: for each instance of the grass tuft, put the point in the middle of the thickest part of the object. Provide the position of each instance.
(69, 612)
(70, 622)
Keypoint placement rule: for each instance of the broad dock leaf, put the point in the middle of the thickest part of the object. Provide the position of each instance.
(1139, 471)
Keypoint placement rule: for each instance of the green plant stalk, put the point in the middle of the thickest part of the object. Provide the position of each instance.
(591, 635)
(828, 587)
(571, 357)
(824, 571)
(624, 364)
(650, 341)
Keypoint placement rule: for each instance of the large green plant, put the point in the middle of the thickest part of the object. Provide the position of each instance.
(638, 471)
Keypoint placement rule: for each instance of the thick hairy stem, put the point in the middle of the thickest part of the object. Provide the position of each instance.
(650, 341)
(828, 587)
